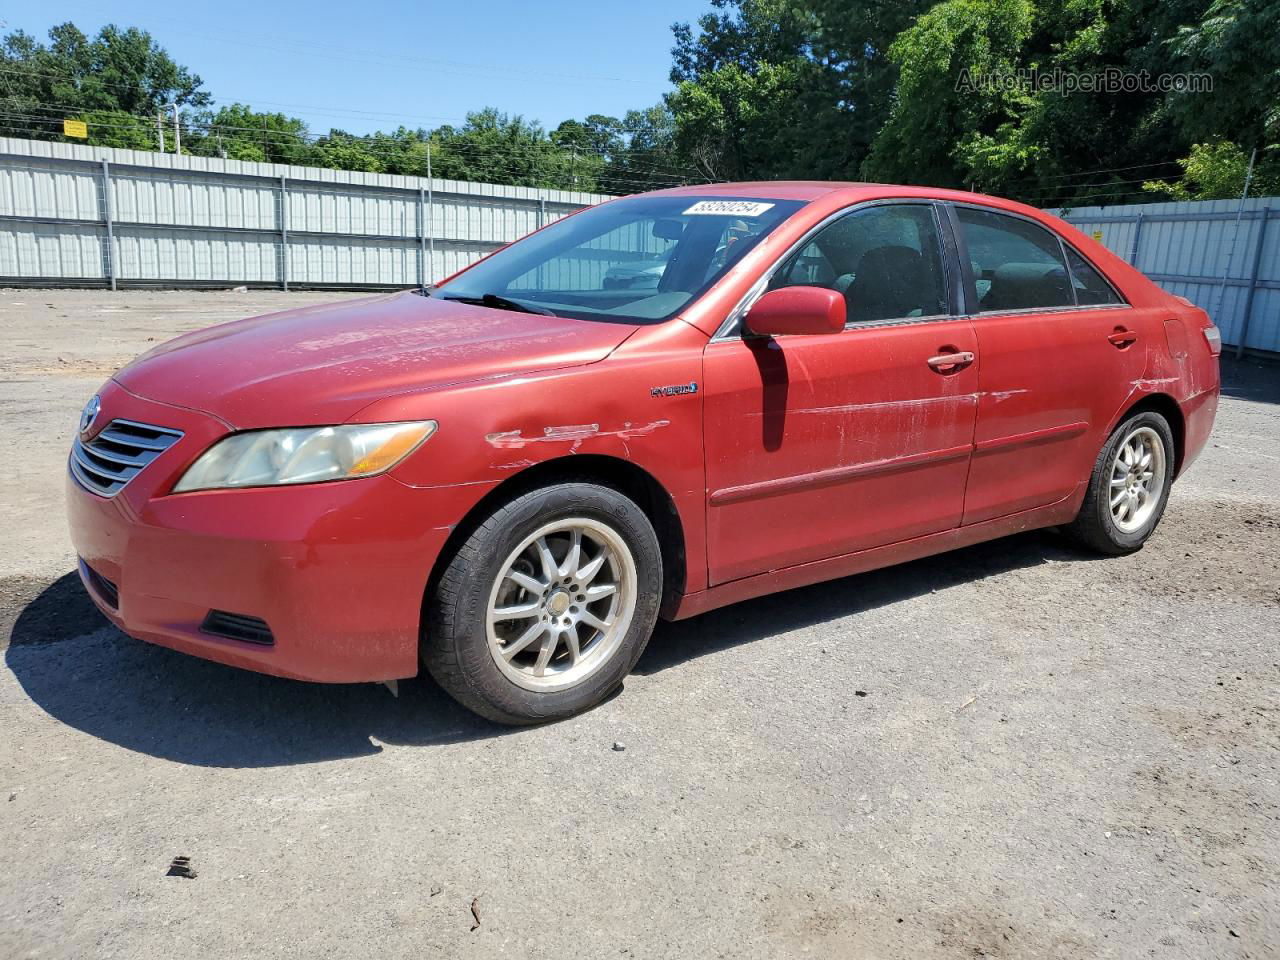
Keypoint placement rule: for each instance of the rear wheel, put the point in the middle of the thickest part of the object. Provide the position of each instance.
(547, 605)
(1129, 487)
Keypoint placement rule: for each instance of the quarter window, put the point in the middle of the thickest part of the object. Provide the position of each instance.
(1017, 265)
(1091, 289)
(885, 260)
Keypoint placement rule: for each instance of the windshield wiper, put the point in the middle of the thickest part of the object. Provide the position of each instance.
(502, 303)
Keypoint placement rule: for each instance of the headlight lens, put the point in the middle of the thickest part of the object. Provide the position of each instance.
(261, 458)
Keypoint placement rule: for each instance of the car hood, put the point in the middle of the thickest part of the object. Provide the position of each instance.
(323, 364)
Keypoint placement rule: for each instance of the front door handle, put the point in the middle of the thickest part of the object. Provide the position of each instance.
(1122, 338)
(951, 362)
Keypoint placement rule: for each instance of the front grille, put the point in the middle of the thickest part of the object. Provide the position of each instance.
(104, 588)
(237, 626)
(118, 454)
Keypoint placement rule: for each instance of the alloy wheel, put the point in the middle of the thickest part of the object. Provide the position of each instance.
(1137, 479)
(561, 604)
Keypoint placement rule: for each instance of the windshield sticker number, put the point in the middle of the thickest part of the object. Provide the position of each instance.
(729, 208)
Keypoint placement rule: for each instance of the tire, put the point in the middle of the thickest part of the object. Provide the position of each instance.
(1124, 529)
(493, 667)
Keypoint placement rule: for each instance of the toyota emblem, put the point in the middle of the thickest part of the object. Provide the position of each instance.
(90, 413)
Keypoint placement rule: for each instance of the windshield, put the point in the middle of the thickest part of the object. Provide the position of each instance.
(638, 260)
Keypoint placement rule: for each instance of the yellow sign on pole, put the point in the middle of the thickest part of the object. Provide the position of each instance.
(75, 128)
(1097, 235)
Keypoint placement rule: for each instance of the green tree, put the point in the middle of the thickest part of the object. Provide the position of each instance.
(1217, 171)
(115, 128)
(495, 147)
(1237, 42)
(238, 132)
(734, 123)
(941, 100)
(121, 71)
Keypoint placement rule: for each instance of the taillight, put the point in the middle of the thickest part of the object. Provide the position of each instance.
(1214, 337)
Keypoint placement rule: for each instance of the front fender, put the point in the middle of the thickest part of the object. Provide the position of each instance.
(492, 430)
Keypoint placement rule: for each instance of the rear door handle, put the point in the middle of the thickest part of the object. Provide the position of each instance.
(950, 362)
(1122, 338)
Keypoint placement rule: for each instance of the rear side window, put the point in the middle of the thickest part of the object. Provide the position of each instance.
(886, 261)
(1017, 265)
(1091, 289)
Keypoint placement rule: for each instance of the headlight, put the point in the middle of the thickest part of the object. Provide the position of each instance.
(261, 458)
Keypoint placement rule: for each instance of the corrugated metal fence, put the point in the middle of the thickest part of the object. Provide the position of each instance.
(72, 214)
(1221, 259)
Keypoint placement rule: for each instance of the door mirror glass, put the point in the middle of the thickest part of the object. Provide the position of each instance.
(794, 311)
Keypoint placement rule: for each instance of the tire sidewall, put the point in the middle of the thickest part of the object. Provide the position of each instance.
(1102, 498)
(518, 521)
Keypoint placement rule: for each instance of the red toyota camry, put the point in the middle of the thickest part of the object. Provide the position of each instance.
(657, 406)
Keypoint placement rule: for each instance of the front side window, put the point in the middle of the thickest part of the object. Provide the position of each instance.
(885, 260)
(1017, 265)
(636, 260)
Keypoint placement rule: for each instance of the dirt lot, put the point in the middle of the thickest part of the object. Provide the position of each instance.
(1012, 751)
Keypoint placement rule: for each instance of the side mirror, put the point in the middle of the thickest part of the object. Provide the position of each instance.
(797, 311)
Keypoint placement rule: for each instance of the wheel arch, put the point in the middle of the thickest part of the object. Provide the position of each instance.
(1168, 408)
(622, 475)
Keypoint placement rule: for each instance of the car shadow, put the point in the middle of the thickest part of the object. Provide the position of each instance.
(1250, 379)
(768, 616)
(83, 672)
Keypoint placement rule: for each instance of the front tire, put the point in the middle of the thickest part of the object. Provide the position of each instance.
(1129, 487)
(546, 606)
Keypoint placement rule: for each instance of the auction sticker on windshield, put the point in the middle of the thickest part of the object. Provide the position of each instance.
(733, 208)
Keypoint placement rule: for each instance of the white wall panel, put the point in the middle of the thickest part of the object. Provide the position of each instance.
(51, 251)
(50, 191)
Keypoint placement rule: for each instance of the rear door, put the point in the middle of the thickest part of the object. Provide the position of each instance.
(818, 446)
(1059, 354)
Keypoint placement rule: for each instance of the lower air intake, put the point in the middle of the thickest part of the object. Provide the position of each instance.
(237, 626)
(104, 588)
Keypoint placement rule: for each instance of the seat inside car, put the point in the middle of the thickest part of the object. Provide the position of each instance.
(891, 281)
(1020, 285)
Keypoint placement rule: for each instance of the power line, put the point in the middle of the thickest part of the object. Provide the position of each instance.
(672, 172)
(499, 152)
(1056, 190)
(1090, 173)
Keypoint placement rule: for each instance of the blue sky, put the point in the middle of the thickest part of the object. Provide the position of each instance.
(379, 64)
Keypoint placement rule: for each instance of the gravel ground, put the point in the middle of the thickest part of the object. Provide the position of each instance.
(1015, 750)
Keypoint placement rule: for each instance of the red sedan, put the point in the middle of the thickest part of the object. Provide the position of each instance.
(657, 406)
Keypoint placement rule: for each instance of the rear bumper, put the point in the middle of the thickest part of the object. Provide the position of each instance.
(337, 571)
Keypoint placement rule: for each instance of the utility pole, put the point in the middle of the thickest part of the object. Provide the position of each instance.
(177, 130)
(431, 222)
(1231, 253)
(160, 128)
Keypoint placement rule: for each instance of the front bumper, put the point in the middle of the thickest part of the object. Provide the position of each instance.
(337, 571)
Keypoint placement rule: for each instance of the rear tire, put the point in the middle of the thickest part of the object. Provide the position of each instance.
(1129, 487)
(546, 606)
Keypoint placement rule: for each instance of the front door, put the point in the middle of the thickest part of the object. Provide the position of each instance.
(819, 446)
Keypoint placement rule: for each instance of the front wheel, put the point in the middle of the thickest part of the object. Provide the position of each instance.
(544, 609)
(1129, 487)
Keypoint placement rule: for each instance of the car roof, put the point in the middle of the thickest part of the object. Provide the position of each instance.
(852, 191)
